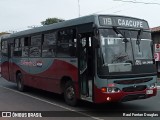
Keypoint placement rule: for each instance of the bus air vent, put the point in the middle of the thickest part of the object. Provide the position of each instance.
(135, 81)
(134, 88)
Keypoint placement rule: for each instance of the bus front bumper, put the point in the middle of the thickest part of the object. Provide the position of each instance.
(100, 97)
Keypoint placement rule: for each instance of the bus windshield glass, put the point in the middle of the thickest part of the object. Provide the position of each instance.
(120, 49)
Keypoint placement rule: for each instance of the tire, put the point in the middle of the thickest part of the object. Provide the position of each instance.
(20, 85)
(69, 94)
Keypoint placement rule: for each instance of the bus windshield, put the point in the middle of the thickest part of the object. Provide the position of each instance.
(119, 50)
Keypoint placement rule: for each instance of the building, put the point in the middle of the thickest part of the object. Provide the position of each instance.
(156, 34)
(156, 45)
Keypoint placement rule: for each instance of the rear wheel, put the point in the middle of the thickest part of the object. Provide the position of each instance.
(69, 94)
(20, 85)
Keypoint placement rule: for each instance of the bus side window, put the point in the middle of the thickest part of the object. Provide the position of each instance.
(4, 48)
(17, 52)
(35, 48)
(66, 46)
(49, 45)
(25, 46)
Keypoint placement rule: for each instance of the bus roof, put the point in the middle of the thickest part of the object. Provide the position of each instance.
(67, 23)
(78, 21)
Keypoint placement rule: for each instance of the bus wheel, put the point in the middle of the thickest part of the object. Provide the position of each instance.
(20, 85)
(69, 94)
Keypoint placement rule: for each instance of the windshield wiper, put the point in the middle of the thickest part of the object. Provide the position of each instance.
(140, 32)
(125, 40)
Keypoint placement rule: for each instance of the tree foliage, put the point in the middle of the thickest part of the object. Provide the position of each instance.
(51, 21)
(3, 33)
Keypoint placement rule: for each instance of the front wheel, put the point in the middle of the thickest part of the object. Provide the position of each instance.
(20, 85)
(69, 94)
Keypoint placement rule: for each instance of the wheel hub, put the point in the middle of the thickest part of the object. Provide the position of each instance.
(70, 92)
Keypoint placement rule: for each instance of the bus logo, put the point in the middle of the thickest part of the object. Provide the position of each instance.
(31, 63)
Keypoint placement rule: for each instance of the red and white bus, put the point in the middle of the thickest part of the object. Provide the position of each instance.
(97, 58)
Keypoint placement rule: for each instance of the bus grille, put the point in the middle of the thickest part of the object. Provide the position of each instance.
(133, 97)
(134, 88)
(135, 81)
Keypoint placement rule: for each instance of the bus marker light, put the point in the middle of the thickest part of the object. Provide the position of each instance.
(153, 85)
(103, 89)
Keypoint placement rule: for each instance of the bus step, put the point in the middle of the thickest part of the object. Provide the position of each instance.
(90, 87)
(83, 97)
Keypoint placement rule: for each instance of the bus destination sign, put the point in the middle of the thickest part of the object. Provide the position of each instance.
(123, 22)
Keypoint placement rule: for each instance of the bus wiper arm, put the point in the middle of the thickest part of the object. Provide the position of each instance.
(119, 32)
(125, 40)
(140, 32)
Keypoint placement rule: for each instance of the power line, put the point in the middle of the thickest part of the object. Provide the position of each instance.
(125, 9)
(109, 8)
(138, 2)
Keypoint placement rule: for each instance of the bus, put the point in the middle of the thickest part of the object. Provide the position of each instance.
(96, 58)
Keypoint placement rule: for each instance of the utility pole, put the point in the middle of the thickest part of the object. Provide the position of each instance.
(79, 9)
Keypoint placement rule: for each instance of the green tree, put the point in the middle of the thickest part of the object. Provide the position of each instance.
(51, 21)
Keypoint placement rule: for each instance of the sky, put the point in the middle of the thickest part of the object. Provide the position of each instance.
(18, 15)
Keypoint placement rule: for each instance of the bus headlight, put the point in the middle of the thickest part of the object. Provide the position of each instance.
(153, 85)
(110, 90)
(113, 90)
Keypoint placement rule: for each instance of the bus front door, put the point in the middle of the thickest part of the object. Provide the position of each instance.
(85, 64)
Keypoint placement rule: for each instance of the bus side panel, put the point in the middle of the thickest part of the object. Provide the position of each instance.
(50, 79)
(46, 73)
(43, 73)
(4, 69)
(19, 65)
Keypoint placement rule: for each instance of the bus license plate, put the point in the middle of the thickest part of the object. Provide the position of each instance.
(149, 92)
